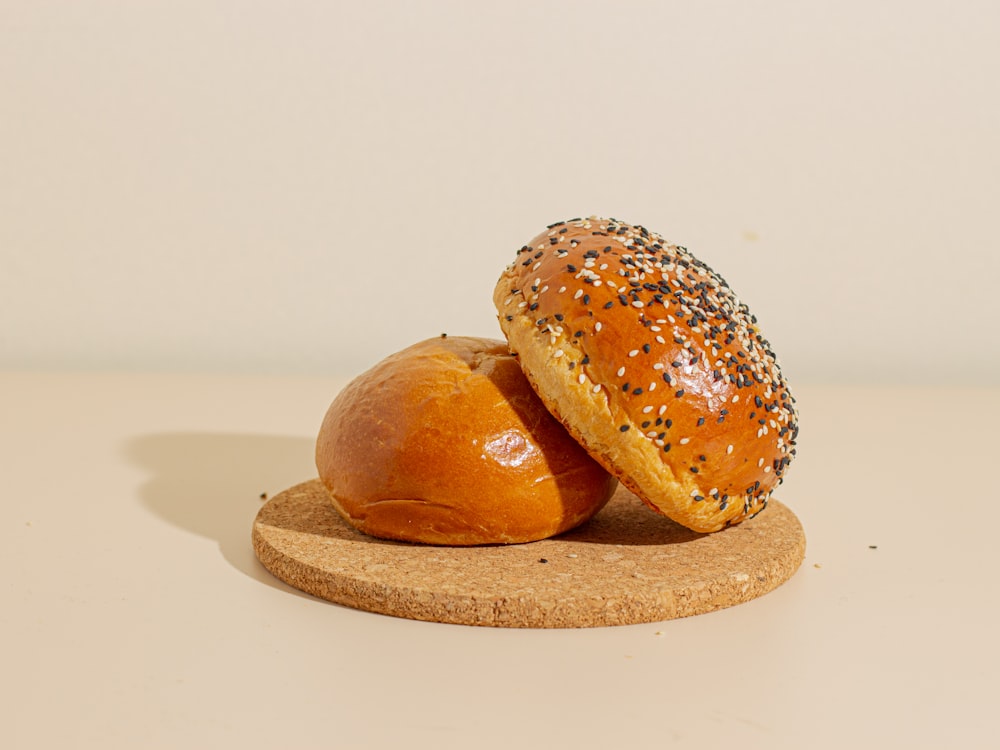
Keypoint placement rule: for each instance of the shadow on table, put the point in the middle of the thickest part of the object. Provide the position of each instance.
(212, 484)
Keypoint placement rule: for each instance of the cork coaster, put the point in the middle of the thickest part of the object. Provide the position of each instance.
(627, 565)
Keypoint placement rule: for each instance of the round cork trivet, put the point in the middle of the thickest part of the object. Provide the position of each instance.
(627, 565)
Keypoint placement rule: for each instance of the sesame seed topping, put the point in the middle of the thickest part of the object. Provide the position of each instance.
(717, 343)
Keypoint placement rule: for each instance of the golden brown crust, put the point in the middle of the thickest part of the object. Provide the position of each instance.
(446, 443)
(654, 364)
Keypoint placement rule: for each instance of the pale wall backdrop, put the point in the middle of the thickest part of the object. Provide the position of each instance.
(305, 187)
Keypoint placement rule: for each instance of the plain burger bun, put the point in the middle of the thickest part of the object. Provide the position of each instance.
(654, 365)
(446, 443)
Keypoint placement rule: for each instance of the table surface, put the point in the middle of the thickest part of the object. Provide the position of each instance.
(136, 614)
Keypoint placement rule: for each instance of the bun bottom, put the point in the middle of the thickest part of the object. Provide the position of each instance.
(447, 443)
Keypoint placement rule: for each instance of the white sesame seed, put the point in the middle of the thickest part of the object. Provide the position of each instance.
(638, 303)
(659, 339)
(662, 411)
(581, 378)
(652, 386)
(655, 329)
(729, 449)
(633, 353)
(760, 463)
(767, 469)
(579, 293)
(597, 388)
(695, 492)
(647, 409)
(658, 366)
(537, 266)
(736, 398)
(557, 353)
(598, 326)
(598, 282)
(685, 441)
(621, 371)
(562, 289)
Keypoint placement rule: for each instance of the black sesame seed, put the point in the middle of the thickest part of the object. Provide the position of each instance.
(679, 393)
(701, 421)
(623, 428)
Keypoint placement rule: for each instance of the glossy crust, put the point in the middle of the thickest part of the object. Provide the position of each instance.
(654, 364)
(446, 443)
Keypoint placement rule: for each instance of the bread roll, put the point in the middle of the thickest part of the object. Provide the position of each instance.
(446, 443)
(654, 365)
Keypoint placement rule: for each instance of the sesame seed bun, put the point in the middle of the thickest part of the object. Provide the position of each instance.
(654, 365)
(446, 443)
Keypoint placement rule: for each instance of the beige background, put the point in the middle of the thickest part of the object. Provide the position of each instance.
(304, 187)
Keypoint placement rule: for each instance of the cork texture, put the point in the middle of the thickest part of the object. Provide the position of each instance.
(627, 565)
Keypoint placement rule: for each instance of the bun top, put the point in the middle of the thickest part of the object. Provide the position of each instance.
(678, 359)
